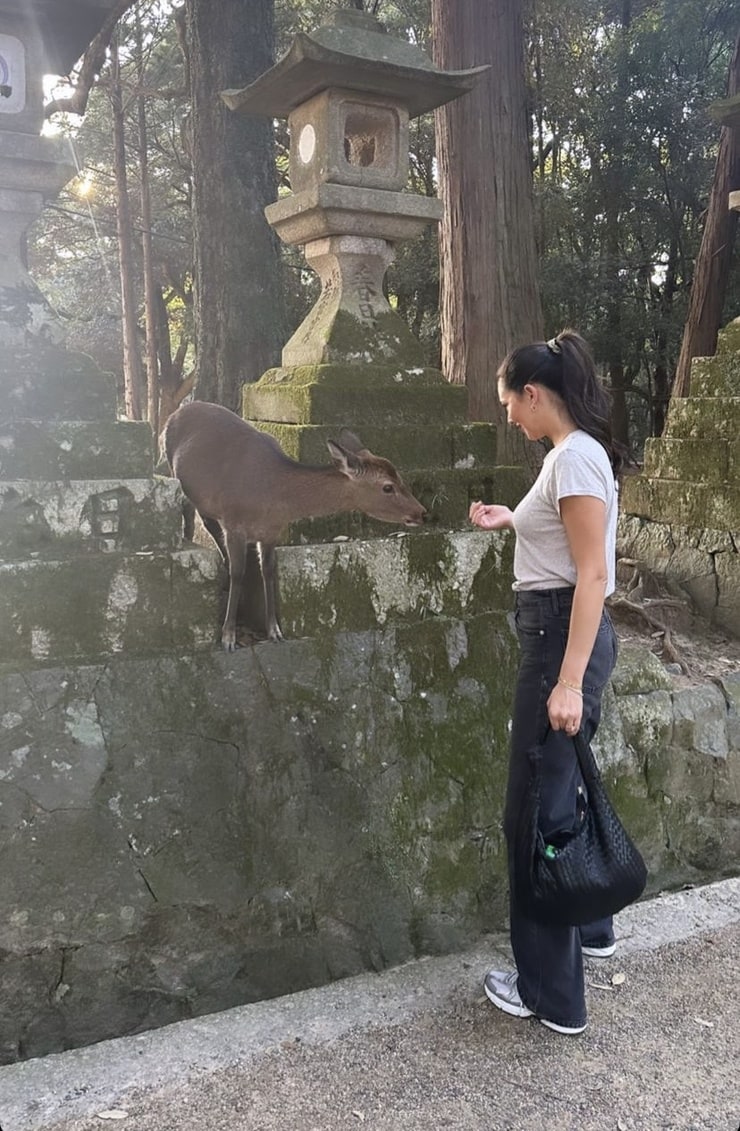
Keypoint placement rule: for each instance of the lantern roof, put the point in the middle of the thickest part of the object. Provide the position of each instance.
(352, 51)
(65, 26)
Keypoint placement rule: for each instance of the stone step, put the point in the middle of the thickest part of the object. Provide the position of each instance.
(703, 418)
(693, 461)
(53, 519)
(456, 446)
(103, 604)
(717, 376)
(352, 586)
(696, 505)
(145, 604)
(75, 449)
(340, 396)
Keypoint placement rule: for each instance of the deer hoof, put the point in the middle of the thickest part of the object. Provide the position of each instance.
(228, 640)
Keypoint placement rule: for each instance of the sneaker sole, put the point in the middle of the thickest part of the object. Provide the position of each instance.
(599, 951)
(505, 1006)
(568, 1031)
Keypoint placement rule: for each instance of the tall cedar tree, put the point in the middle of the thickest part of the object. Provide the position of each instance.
(712, 268)
(489, 299)
(238, 298)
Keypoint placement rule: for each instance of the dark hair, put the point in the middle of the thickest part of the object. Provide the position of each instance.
(565, 366)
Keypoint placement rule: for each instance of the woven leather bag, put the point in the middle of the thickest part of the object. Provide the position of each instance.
(596, 873)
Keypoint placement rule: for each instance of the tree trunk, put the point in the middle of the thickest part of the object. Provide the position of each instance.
(239, 325)
(489, 299)
(150, 291)
(712, 267)
(132, 368)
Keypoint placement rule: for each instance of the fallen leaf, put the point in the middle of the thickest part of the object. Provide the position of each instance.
(621, 1126)
(359, 1115)
(706, 1024)
(113, 1113)
(618, 979)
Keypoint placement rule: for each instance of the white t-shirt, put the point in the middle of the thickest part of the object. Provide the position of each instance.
(578, 465)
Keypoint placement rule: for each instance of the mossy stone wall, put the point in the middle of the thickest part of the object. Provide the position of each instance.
(681, 517)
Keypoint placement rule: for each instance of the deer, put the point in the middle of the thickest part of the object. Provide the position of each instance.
(246, 489)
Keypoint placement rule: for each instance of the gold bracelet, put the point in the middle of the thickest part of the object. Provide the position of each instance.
(571, 686)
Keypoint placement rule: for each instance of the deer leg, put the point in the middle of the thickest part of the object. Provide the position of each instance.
(188, 519)
(268, 562)
(216, 532)
(236, 553)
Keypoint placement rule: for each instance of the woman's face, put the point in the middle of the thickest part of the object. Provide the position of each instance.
(520, 410)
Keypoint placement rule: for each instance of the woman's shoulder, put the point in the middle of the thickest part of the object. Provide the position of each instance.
(579, 444)
(581, 459)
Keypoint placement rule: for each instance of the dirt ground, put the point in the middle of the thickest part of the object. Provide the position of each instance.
(694, 650)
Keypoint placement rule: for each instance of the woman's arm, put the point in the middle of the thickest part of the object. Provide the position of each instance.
(491, 517)
(584, 519)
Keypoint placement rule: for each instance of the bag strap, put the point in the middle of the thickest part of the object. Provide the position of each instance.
(589, 768)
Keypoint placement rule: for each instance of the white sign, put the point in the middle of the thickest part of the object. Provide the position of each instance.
(12, 75)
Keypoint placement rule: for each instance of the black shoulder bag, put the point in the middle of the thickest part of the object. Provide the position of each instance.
(595, 873)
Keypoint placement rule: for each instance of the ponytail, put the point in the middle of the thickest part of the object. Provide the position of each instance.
(565, 366)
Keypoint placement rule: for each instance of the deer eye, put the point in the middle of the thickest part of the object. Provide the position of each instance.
(388, 488)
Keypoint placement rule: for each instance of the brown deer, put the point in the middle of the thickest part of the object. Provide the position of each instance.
(246, 489)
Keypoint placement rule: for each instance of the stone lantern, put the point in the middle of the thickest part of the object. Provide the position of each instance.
(349, 90)
(36, 37)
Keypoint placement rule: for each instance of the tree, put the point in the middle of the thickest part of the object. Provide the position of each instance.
(712, 267)
(488, 262)
(238, 303)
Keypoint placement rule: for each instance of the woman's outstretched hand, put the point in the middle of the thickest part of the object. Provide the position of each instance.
(490, 517)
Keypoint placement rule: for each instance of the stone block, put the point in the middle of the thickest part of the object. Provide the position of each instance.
(703, 418)
(352, 586)
(474, 445)
(650, 542)
(700, 722)
(693, 461)
(727, 610)
(356, 397)
(717, 376)
(639, 671)
(101, 605)
(73, 449)
(50, 519)
(647, 721)
(696, 505)
(54, 384)
(462, 447)
(694, 571)
(403, 446)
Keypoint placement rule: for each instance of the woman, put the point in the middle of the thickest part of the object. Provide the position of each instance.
(564, 563)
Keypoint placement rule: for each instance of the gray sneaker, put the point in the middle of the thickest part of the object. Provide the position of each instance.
(501, 989)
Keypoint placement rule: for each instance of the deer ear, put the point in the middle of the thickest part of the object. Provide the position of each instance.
(350, 442)
(346, 461)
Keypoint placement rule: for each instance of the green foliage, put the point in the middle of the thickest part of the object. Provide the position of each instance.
(74, 252)
(624, 152)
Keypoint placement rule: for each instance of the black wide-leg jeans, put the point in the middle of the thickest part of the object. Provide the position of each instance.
(548, 958)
